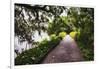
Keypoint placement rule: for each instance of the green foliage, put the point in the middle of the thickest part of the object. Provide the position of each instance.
(53, 36)
(85, 26)
(62, 34)
(79, 22)
(88, 53)
(73, 34)
(58, 25)
(29, 18)
(37, 54)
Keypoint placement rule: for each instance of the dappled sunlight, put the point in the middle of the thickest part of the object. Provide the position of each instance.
(52, 34)
(38, 38)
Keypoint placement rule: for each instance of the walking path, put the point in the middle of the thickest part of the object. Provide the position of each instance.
(66, 51)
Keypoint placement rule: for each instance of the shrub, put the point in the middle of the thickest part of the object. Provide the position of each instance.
(73, 34)
(53, 36)
(37, 54)
(62, 34)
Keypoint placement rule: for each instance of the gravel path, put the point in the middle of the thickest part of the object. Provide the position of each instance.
(66, 51)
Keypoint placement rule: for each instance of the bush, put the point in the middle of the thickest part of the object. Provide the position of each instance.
(53, 36)
(62, 34)
(37, 54)
(73, 34)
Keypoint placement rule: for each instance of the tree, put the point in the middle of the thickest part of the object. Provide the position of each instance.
(83, 21)
(80, 20)
(29, 18)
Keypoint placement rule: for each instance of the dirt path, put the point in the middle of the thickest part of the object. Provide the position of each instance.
(66, 51)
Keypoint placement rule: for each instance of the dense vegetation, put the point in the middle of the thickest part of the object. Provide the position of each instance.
(37, 54)
(77, 21)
